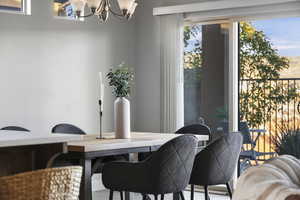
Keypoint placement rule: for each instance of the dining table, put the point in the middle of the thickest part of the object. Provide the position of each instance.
(89, 148)
(27, 151)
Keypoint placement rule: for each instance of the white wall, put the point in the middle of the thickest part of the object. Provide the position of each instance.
(147, 115)
(48, 68)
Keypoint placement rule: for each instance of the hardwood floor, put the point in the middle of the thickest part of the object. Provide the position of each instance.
(103, 195)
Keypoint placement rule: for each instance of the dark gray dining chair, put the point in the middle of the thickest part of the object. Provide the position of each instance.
(216, 163)
(195, 129)
(14, 128)
(165, 171)
(26, 131)
(67, 129)
(64, 160)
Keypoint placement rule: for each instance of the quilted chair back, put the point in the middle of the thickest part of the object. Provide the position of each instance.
(14, 128)
(67, 129)
(172, 164)
(216, 163)
(196, 129)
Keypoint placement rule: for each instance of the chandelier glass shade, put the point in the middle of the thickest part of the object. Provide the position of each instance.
(102, 8)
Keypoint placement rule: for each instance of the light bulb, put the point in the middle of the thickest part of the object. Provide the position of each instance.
(131, 11)
(125, 5)
(93, 3)
(78, 5)
(103, 11)
(133, 7)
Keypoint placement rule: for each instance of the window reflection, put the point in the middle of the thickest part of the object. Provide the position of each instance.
(11, 5)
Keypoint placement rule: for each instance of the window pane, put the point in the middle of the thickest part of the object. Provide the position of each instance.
(206, 74)
(12, 5)
(192, 73)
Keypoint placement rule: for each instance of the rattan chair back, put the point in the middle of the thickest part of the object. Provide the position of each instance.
(48, 184)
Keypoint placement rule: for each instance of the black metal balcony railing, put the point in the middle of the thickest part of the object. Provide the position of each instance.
(285, 115)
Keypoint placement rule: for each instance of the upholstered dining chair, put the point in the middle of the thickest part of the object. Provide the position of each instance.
(67, 129)
(165, 171)
(195, 129)
(216, 163)
(14, 128)
(54, 184)
(63, 159)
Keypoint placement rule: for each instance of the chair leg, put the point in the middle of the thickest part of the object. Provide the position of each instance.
(181, 195)
(229, 190)
(111, 195)
(239, 168)
(121, 195)
(256, 162)
(206, 192)
(192, 191)
(146, 197)
(162, 197)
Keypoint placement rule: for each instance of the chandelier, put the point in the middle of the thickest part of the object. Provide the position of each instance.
(102, 8)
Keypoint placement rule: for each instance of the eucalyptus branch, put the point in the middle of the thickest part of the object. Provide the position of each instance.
(121, 80)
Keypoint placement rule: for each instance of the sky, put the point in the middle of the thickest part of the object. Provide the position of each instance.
(284, 33)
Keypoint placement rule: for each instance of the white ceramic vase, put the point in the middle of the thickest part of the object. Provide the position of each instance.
(122, 118)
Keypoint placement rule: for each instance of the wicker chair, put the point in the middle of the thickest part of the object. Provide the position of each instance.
(49, 184)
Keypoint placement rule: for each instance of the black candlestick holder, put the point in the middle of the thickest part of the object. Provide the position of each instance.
(100, 120)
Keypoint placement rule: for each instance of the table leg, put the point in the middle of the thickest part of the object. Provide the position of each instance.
(20, 159)
(127, 195)
(176, 196)
(86, 182)
(239, 168)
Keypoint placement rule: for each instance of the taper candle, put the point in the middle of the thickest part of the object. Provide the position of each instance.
(101, 86)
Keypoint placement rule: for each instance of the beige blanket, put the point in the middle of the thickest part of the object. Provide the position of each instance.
(277, 179)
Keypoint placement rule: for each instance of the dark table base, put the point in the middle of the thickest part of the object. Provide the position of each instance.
(20, 159)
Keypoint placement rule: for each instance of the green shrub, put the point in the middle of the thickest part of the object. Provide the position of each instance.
(287, 142)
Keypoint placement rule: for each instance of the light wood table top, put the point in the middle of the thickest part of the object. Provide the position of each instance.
(19, 138)
(89, 143)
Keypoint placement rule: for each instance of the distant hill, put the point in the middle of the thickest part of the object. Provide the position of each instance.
(294, 70)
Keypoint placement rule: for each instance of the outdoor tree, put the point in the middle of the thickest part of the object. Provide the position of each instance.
(192, 54)
(260, 67)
